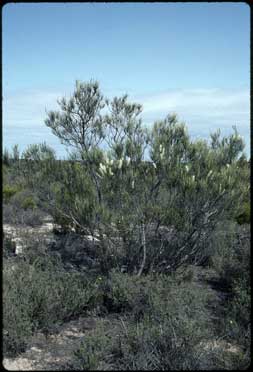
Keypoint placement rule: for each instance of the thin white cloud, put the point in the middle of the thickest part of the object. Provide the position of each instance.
(203, 110)
(28, 107)
(199, 101)
(23, 119)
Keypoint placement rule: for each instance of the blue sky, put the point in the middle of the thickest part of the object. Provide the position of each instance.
(188, 58)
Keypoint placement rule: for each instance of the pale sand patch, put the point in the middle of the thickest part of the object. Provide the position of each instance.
(53, 351)
(221, 344)
(18, 364)
(17, 234)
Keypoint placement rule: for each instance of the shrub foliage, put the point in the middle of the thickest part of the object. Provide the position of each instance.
(143, 206)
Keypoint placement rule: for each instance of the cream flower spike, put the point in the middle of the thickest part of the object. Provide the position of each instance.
(102, 167)
(120, 163)
(110, 172)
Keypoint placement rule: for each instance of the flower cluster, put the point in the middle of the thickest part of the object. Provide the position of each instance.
(161, 151)
(106, 166)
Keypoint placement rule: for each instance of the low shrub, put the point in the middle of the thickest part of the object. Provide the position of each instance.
(15, 215)
(164, 345)
(233, 267)
(124, 292)
(244, 216)
(39, 294)
(232, 259)
(31, 217)
(92, 351)
(175, 331)
(237, 322)
(9, 191)
(231, 251)
(28, 203)
(174, 321)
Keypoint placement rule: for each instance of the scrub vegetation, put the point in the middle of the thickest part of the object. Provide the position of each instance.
(150, 226)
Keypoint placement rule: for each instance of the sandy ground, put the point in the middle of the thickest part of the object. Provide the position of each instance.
(52, 352)
(55, 351)
(18, 233)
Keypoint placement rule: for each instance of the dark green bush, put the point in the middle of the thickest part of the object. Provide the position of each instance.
(174, 321)
(92, 350)
(39, 295)
(12, 214)
(232, 259)
(28, 203)
(235, 327)
(147, 294)
(174, 332)
(23, 208)
(165, 345)
(244, 216)
(9, 191)
(232, 262)
(237, 322)
(124, 292)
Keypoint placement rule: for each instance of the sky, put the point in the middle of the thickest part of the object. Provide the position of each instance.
(192, 59)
